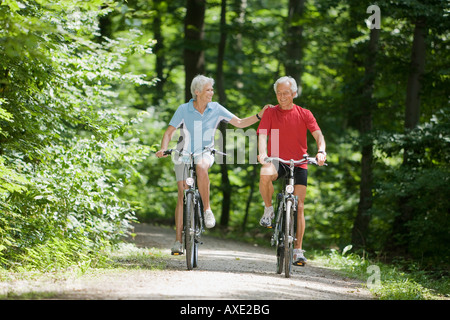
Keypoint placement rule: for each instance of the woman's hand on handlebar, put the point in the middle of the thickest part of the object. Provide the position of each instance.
(161, 153)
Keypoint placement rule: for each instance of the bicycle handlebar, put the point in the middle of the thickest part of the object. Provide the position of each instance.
(306, 159)
(212, 150)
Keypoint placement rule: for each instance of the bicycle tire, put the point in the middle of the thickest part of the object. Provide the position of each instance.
(189, 225)
(197, 231)
(288, 239)
(279, 238)
(280, 259)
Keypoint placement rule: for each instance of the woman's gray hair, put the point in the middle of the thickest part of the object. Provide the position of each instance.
(289, 80)
(198, 83)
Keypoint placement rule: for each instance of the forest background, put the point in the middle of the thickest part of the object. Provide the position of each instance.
(87, 89)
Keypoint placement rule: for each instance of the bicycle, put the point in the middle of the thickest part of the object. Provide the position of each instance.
(285, 227)
(193, 218)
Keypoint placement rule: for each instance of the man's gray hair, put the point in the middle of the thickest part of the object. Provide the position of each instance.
(198, 83)
(291, 82)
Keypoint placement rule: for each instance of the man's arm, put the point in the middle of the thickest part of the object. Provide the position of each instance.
(262, 147)
(168, 134)
(320, 140)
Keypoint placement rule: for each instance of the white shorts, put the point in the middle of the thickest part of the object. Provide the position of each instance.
(181, 168)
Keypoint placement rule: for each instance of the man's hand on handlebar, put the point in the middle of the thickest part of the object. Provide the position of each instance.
(321, 159)
(262, 158)
(318, 160)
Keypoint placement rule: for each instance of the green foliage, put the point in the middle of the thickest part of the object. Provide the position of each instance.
(423, 184)
(66, 147)
(334, 52)
(402, 280)
(128, 256)
(81, 114)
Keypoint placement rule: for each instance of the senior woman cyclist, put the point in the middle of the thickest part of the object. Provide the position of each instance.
(198, 120)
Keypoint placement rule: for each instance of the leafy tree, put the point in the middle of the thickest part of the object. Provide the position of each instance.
(63, 138)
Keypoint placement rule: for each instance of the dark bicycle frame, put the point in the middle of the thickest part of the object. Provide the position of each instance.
(284, 233)
(193, 218)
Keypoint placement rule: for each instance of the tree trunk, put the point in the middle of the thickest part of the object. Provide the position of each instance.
(158, 51)
(253, 176)
(367, 105)
(412, 116)
(239, 23)
(412, 111)
(294, 39)
(226, 186)
(105, 27)
(220, 81)
(194, 59)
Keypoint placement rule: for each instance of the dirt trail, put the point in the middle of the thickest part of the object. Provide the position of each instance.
(227, 270)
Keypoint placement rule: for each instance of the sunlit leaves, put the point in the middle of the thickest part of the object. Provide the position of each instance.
(64, 155)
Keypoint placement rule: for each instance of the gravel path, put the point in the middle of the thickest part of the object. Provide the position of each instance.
(227, 270)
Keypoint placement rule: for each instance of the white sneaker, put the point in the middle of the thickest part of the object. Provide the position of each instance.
(210, 221)
(299, 258)
(177, 248)
(266, 220)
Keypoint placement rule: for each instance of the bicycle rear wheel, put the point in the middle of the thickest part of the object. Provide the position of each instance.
(288, 239)
(189, 227)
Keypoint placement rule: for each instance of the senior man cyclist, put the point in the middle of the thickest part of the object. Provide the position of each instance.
(198, 120)
(285, 126)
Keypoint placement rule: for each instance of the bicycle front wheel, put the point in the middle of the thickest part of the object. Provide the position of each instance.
(189, 227)
(288, 239)
(279, 238)
(197, 231)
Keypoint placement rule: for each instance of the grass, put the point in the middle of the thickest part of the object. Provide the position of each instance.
(403, 280)
(128, 256)
(125, 256)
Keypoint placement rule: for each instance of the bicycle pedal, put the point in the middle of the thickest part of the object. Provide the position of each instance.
(177, 253)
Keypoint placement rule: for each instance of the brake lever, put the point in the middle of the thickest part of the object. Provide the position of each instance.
(220, 152)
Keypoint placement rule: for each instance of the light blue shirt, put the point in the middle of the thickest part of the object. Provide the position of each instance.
(198, 130)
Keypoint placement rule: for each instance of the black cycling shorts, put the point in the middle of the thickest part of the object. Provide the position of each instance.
(300, 174)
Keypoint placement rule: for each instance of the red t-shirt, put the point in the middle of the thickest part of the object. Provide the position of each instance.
(287, 131)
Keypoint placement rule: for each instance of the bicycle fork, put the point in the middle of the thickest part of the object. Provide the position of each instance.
(285, 200)
(276, 231)
(199, 216)
(290, 207)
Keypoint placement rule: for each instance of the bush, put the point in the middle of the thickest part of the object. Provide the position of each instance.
(64, 146)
